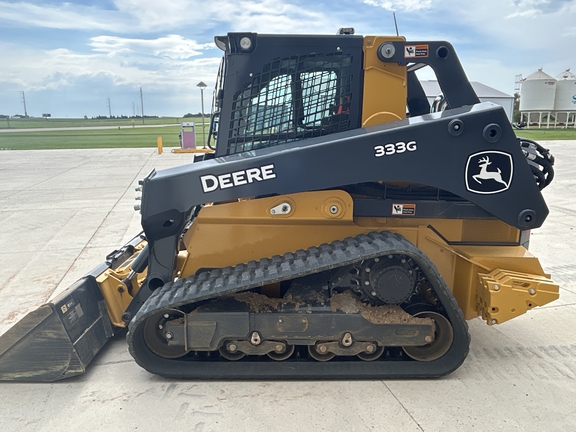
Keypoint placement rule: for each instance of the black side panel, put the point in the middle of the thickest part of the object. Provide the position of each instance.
(439, 156)
(59, 339)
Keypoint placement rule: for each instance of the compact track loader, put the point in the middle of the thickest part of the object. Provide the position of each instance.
(340, 230)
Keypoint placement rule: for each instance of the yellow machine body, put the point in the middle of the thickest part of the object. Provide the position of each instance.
(497, 283)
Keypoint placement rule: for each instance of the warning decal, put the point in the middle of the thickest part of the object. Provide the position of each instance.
(415, 51)
(404, 209)
(67, 306)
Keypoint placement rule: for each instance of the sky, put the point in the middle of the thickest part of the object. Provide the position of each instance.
(70, 58)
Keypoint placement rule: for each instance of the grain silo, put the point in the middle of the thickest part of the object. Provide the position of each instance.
(537, 101)
(565, 102)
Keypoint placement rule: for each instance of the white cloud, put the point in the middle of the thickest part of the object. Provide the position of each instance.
(401, 5)
(65, 16)
(543, 6)
(58, 68)
(535, 8)
(509, 27)
(129, 16)
(275, 16)
(154, 15)
(171, 46)
(149, 16)
(530, 13)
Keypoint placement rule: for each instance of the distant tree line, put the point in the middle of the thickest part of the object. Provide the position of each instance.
(516, 110)
(188, 115)
(101, 117)
(4, 116)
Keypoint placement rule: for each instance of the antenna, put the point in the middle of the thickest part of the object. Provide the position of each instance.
(395, 23)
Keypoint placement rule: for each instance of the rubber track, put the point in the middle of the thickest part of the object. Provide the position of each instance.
(229, 280)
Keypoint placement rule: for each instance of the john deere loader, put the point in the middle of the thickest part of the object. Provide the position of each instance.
(340, 229)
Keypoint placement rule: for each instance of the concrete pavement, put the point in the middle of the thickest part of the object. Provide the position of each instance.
(62, 211)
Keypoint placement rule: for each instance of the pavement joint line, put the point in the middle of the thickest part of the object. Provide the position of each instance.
(557, 306)
(86, 247)
(402, 405)
(47, 179)
(109, 363)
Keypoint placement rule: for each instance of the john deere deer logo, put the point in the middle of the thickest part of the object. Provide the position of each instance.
(488, 175)
(489, 172)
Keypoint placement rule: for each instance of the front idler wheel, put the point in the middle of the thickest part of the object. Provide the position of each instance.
(443, 337)
(157, 338)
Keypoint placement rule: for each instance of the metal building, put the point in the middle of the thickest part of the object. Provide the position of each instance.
(484, 92)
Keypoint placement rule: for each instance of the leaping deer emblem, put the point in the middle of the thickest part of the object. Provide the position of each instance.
(487, 175)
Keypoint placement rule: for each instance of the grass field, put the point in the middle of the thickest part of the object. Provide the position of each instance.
(547, 134)
(33, 122)
(123, 136)
(105, 138)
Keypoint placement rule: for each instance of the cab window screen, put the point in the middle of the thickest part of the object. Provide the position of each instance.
(292, 99)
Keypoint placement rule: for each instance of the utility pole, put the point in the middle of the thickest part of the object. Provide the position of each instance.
(24, 102)
(142, 103)
(201, 85)
(134, 109)
(109, 109)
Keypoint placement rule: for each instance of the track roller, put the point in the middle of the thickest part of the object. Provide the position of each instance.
(283, 352)
(370, 356)
(320, 352)
(230, 352)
